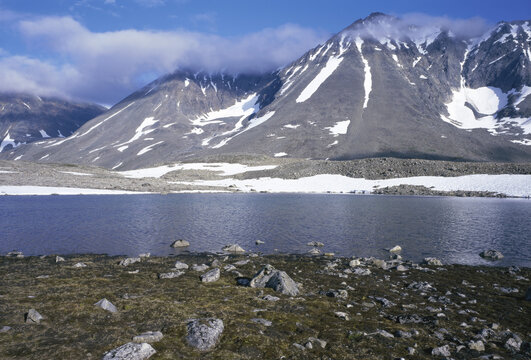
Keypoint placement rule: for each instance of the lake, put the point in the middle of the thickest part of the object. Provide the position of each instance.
(454, 230)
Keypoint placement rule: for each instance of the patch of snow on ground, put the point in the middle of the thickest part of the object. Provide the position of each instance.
(8, 172)
(511, 185)
(280, 154)
(290, 126)
(8, 141)
(367, 82)
(225, 169)
(117, 165)
(526, 91)
(311, 88)
(242, 108)
(186, 82)
(252, 123)
(340, 128)
(44, 134)
(101, 122)
(46, 190)
(148, 148)
(75, 173)
(122, 148)
(140, 131)
(44, 157)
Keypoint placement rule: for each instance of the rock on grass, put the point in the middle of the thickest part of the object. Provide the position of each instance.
(148, 337)
(211, 276)
(276, 280)
(33, 317)
(130, 351)
(106, 305)
(204, 334)
(180, 243)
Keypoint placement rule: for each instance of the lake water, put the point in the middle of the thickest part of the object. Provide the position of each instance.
(454, 230)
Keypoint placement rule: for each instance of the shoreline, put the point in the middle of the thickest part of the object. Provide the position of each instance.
(358, 308)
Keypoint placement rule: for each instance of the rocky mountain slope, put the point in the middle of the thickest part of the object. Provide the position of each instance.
(377, 88)
(27, 118)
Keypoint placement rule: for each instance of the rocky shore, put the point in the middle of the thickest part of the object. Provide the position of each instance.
(247, 306)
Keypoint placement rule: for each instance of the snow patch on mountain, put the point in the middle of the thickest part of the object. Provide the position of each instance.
(340, 128)
(311, 88)
(140, 131)
(252, 123)
(224, 169)
(367, 82)
(148, 148)
(44, 134)
(8, 141)
(244, 107)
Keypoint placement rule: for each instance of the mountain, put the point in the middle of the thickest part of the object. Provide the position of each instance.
(380, 87)
(28, 118)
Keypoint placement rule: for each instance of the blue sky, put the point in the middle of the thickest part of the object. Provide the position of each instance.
(100, 50)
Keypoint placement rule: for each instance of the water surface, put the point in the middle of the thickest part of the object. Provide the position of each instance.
(453, 229)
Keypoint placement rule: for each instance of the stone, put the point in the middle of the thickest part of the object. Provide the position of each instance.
(5, 329)
(241, 262)
(106, 305)
(130, 351)
(432, 261)
(315, 243)
(385, 334)
(259, 242)
(15, 254)
(180, 243)
(129, 261)
(275, 279)
(379, 263)
(395, 249)
(200, 268)
(171, 274)
(441, 351)
(204, 334)
(262, 321)
(329, 254)
(59, 259)
(340, 294)
(233, 248)
(342, 315)
(411, 350)
(180, 265)
(148, 337)
(403, 334)
(491, 255)
(314, 251)
(229, 267)
(271, 298)
(33, 317)
(513, 344)
(361, 271)
(402, 268)
(299, 346)
(144, 255)
(354, 263)
(211, 276)
(80, 265)
(476, 345)
(321, 343)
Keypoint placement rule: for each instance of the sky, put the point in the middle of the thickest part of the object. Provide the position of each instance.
(102, 50)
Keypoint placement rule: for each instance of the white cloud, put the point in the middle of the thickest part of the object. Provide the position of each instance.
(105, 67)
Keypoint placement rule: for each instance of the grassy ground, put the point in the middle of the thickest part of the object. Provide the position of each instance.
(74, 329)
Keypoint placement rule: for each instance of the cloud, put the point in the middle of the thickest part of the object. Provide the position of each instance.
(106, 66)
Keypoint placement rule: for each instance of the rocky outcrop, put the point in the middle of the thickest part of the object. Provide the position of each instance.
(275, 279)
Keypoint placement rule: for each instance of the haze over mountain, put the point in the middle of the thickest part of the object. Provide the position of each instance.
(27, 118)
(380, 87)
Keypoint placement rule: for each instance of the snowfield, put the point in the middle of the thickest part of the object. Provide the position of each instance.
(511, 185)
(225, 169)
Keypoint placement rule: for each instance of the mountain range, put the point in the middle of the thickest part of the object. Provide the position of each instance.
(378, 88)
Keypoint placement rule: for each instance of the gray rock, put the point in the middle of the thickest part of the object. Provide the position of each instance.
(379, 263)
(314, 251)
(204, 335)
(59, 259)
(262, 321)
(342, 315)
(384, 333)
(148, 337)
(321, 343)
(180, 243)
(270, 298)
(216, 263)
(276, 280)
(383, 301)
(180, 265)
(259, 242)
(170, 275)
(5, 329)
(396, 249)
(241, 262)
(354, 263)
(229, 267)
(299, 346)
(513, 344)
(361, 271)
(402, 268)
(411, 350)
(211, 276)
(130, 351)
(340, 294)
(15, 254)
(129, 261)
(441, 351)
(432, 261)
(106, 305)
(403, 334)
(80, 265)
(33, 317)
(315, 243)
(233, 248)
(491, 255)
(200, 268)
(144, 255)
(476, 345)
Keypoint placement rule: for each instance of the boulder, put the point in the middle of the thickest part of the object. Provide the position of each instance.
(80, 265)
(106, 305)
(241, 262)
(59, 259)
(130, 351)
(259, 242)
(395, 249)
(15, 254)
(33, 317)
(441, 351)
(262, 321)
(432, 261)
(354, 263)
(234, 248)
(180, 265)
(204, 334)
(491, 255)
(180, 243)
(211, 276)
(129, 261)
(361, 271)
(314, 251)
(148, 337)
(171, 274)
(200, 268)
(342, 315)
(476, 345)
(275, 279)
(315, 243)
